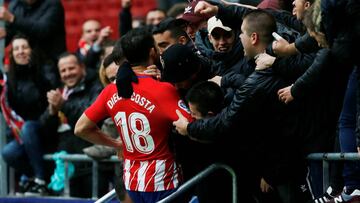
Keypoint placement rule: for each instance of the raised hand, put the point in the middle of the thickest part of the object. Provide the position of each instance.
(6, 15)
(206, 9)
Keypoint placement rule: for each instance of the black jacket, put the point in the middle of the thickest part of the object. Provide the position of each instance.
(43, 22)
(321, 91)
(83, 96)
(27, 94)
(256, 118)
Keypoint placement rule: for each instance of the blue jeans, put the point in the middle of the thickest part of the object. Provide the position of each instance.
(26, 157)
(347, 126)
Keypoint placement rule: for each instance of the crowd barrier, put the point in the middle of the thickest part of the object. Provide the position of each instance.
(324, 157)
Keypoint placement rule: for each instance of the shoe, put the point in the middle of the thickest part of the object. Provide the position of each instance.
(99, 151)
(38, 189)
(24, 186)
(354, 197)
(326, 197)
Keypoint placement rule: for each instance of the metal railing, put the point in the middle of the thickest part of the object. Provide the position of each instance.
(107, 197)
(326, 157)
(188, 185)
(199, 177)
(82, 158)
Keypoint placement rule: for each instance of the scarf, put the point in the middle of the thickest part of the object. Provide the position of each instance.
(14, 121)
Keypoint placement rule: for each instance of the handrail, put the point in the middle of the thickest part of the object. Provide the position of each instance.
(107, 197)
(187, 185)
(82, 158)
(334, 156)
(326, 157)
(200, 176)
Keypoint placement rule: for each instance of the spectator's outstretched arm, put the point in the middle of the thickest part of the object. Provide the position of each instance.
(238, 4)
(290, 68)
(341, 52)
(209, 129)
(282, 47)
(309, 79)
(42, 28)
(125, 17)
(303, 44)
(230, 14)
(229, 83)
(306, 44)
(293, 67)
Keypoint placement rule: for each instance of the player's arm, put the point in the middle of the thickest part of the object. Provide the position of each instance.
(88, 130)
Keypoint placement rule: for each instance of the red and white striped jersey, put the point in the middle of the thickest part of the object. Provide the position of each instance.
(144, 122)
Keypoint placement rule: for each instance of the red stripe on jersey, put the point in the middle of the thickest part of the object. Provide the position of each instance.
(147, 176)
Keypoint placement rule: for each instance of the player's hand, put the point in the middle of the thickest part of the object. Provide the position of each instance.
(181, 124)
(358, 149)
(264, 61)
(153, 71)
(264, 186)
(285, 95)
(205, 9)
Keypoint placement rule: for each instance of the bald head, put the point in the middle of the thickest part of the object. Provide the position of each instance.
(91, 30)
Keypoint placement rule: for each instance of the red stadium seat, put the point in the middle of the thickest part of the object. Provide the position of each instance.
(106, 11)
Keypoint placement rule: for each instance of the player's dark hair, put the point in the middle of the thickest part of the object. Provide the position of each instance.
(175, 26)
(136, 45)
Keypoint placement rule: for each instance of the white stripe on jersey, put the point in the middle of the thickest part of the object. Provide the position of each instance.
(175, 176)
(159, 175)
(142, 175)
(127, 173)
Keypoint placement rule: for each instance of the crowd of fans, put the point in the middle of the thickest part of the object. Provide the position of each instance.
(257, 87)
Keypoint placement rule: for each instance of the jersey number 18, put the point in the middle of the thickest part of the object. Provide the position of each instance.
(138, 136)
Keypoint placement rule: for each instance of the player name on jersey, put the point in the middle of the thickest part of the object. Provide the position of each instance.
(135, 97)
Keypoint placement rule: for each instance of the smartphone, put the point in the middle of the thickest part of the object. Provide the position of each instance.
(277, 36)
